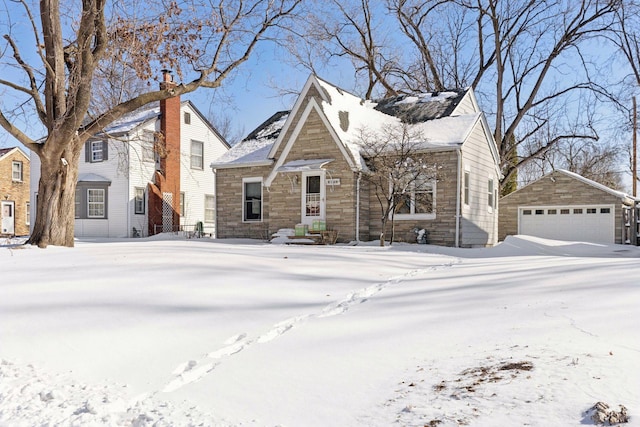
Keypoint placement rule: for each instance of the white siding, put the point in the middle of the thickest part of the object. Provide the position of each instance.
(115, 170)
(197, 183)
(479, 225)
(141, 172)
(126, 170)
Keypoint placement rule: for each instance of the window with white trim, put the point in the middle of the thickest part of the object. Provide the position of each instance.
(467, 181)
(96, 151)
(209, 208)
(16, 171)
(252, 199)
(197, 155)
(418, 202)
(138, 201)
(146, 144)
(95, 203)
(27, 213)
(491, 195)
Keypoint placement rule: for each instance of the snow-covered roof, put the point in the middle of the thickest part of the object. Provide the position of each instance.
(349, 115)
(304, 165)
(595, 184)
(254, 149)
(421, 107)
(92, 177)
(130, 121)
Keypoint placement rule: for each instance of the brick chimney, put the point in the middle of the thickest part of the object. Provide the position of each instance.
(167, 179)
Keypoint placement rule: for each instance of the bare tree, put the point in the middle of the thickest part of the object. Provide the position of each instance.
(401, 173)
(203, 42)
(529, 64)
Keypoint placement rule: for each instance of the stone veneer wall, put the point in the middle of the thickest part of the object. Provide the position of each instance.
(442, 229)
(557, 189)
(315, 142)
(229, 204)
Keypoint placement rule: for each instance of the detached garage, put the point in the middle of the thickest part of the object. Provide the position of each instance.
(566, 206)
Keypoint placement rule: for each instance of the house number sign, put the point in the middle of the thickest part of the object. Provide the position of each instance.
(333, 181)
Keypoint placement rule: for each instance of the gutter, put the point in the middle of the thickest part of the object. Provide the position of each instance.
(459, 189)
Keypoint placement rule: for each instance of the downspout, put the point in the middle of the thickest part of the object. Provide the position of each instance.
(358, 207)
(215, 199)
(459, 154)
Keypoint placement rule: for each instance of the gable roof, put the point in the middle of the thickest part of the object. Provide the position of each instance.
(254, 149)
(433, 116)
(150, 113)
(616, 193)
(8, 151)
(421, 107)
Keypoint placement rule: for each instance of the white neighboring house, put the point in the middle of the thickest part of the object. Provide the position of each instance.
(123, 165)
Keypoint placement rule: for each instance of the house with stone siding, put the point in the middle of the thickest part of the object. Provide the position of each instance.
(306, 167)
(14, 192)
(147, 173)
(563, 205)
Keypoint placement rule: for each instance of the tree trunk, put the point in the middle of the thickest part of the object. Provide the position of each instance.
(55, 204)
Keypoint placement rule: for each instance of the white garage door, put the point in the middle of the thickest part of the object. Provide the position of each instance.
(594, 223)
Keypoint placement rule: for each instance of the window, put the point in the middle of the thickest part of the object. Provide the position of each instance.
(182, 203)
(187, 118)
(16, 171)
(209, 208)
(138, 200)
(490, 195)
(552, 211)
(96, 151)
(91, 200)
(27, 213)
(564, 211)
(577, 211)
(418, 202)
(592, 210)
(95, 203)
(539, 211)
(252, 199)
(197, 150)
(605, 210)
(467, 180)
(146, 144)
(526, 212)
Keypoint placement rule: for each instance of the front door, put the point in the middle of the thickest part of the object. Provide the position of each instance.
(7, 212)
(313, 199)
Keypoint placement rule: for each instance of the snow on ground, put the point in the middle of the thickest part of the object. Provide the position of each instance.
(164, 332)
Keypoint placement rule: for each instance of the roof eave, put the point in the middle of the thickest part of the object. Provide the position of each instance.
(241, 165)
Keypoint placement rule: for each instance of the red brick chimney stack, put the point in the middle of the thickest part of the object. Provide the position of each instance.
(168, 179)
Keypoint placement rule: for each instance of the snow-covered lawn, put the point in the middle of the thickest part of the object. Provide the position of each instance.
(202, 332)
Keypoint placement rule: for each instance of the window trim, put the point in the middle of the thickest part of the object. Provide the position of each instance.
(139, 203)
(197, 156)
(421, 215)
(82, 199)
(147, 146)
(210, 210)
(246, 181)
(20, 171)
(27, 219)
(491, 195)
(466, 187)
(102, 203)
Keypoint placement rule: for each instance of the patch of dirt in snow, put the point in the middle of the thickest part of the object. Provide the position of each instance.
(29, 396)
(512, 385)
